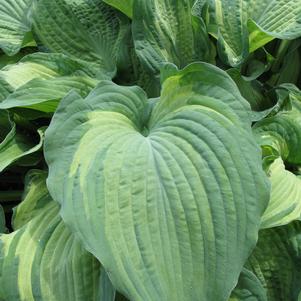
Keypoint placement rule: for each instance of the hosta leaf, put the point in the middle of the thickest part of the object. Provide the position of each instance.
(286, 128)
(40, 65)
(287, 65)
(45, 94)
(125, 6)
(250, 90)
(5, 88)
(138, 74)
(14, 76)
(285, 204)
(58, 63)
(36, 197)
(167, 195)
(19, 74)
(166, 31)
(278, 136)
(87, 30)
(15, 23)
(249, 288)
(269, 19)
(263, 103)
(276, 264)
(42, 260)
(15, 145)
(40, 80)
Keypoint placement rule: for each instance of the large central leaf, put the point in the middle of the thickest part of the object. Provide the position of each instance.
(167, 195)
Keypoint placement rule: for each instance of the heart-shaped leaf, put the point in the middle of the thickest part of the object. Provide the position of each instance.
(168, 195)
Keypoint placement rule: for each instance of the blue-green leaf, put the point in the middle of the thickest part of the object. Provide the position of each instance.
(274, 266)
(15, 24)
(166, 31)
(90, 31)
(125, 6)
(42, 260)
(168, 195)
(243, 26)
(14, 145)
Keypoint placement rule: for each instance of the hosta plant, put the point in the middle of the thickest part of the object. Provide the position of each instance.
(150, 150)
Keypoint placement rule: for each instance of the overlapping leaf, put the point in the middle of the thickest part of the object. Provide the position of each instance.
(44, 95)
(285, 129)
(286, 67)
(166, 31)
(278, 137)
(285, 205)
(246, 25)
(42, 260)
(14, 145)
(40, 80)
(87, 30)
(248, 288)
(126, 6)
(274, 267)
(39, 65)
(15, 24)
(167, 195)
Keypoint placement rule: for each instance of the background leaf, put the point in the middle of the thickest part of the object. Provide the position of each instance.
(16, 145)
(275, 263)
(15, 23)
(90, 31)
(284, 206)
(229, 21)
(43, 259)
(125, 6)
(166, 31)
(44, 94)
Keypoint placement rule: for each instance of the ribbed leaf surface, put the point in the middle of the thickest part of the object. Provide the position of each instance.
(42, 260)
(169, 199)
(87, 30)
(269, 19)
(286, 126)
(125, 6)
(275, 264)
(166, 31)
(15, 22)
(285, 203)
(14, 145)
(40, 80)
(44, 95)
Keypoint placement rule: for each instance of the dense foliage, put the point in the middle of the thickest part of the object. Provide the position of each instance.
(150, 150)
